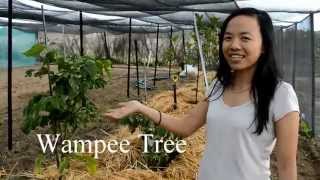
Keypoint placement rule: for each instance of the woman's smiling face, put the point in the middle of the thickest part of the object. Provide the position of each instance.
(242, 43)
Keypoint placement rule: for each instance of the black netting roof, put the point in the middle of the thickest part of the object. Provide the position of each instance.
(111, 15)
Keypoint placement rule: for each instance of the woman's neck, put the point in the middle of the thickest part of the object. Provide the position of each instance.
(242, 79)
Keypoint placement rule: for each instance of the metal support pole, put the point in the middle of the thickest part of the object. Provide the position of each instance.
(156, 63)
(171, 47)
(81, 34)
(313, 117)
(37, 37)
(175, 96)
(184, 52)
(64, 43)
(201, 54)
(198, 73)
(281, 50)
(137, 67)
(10, 74)
(294, 57)
(129, 53)
(106, 49)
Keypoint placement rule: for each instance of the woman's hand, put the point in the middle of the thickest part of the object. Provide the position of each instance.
(124, 110)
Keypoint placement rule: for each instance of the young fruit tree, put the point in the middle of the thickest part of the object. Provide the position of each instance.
(66, 106)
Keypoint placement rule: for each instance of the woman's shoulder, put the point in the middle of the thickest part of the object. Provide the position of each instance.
(285, 100)
(284, 84)
(284, 87)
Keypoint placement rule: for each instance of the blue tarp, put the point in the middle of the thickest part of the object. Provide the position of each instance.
(21, 42)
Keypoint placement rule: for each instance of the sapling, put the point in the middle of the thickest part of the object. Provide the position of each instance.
(67, 106)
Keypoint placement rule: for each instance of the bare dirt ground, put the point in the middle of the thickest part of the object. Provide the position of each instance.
(26, 147)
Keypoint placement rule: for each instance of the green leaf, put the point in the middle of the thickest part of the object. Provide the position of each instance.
(44, 121)
(35, 50)
(90, 162)
(57, 102)
(305, 129)
(91, 68)
(29, 72)
(99, 83)
(91, 165)
(175, 39)
(125, 121)
(42, 71)
(74, 84)
(50, 57)
(60, 62)
(31, 115)
(64, 164)
(38, 164)
(108, 68)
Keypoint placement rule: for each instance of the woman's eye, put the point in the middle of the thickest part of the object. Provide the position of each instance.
(226, 38)
(246, 38)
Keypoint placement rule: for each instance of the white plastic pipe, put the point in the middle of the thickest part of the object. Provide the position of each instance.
(146, 67)
(200, 52)
(44, 25)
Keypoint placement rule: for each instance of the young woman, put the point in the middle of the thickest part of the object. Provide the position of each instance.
(247, 111)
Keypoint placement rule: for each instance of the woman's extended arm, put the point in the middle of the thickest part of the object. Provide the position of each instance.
(287, 130)
(184, 126)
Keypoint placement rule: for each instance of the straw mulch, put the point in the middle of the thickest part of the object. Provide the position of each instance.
(118, 166)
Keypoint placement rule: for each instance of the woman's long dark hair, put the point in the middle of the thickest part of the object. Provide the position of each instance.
(266, 75)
